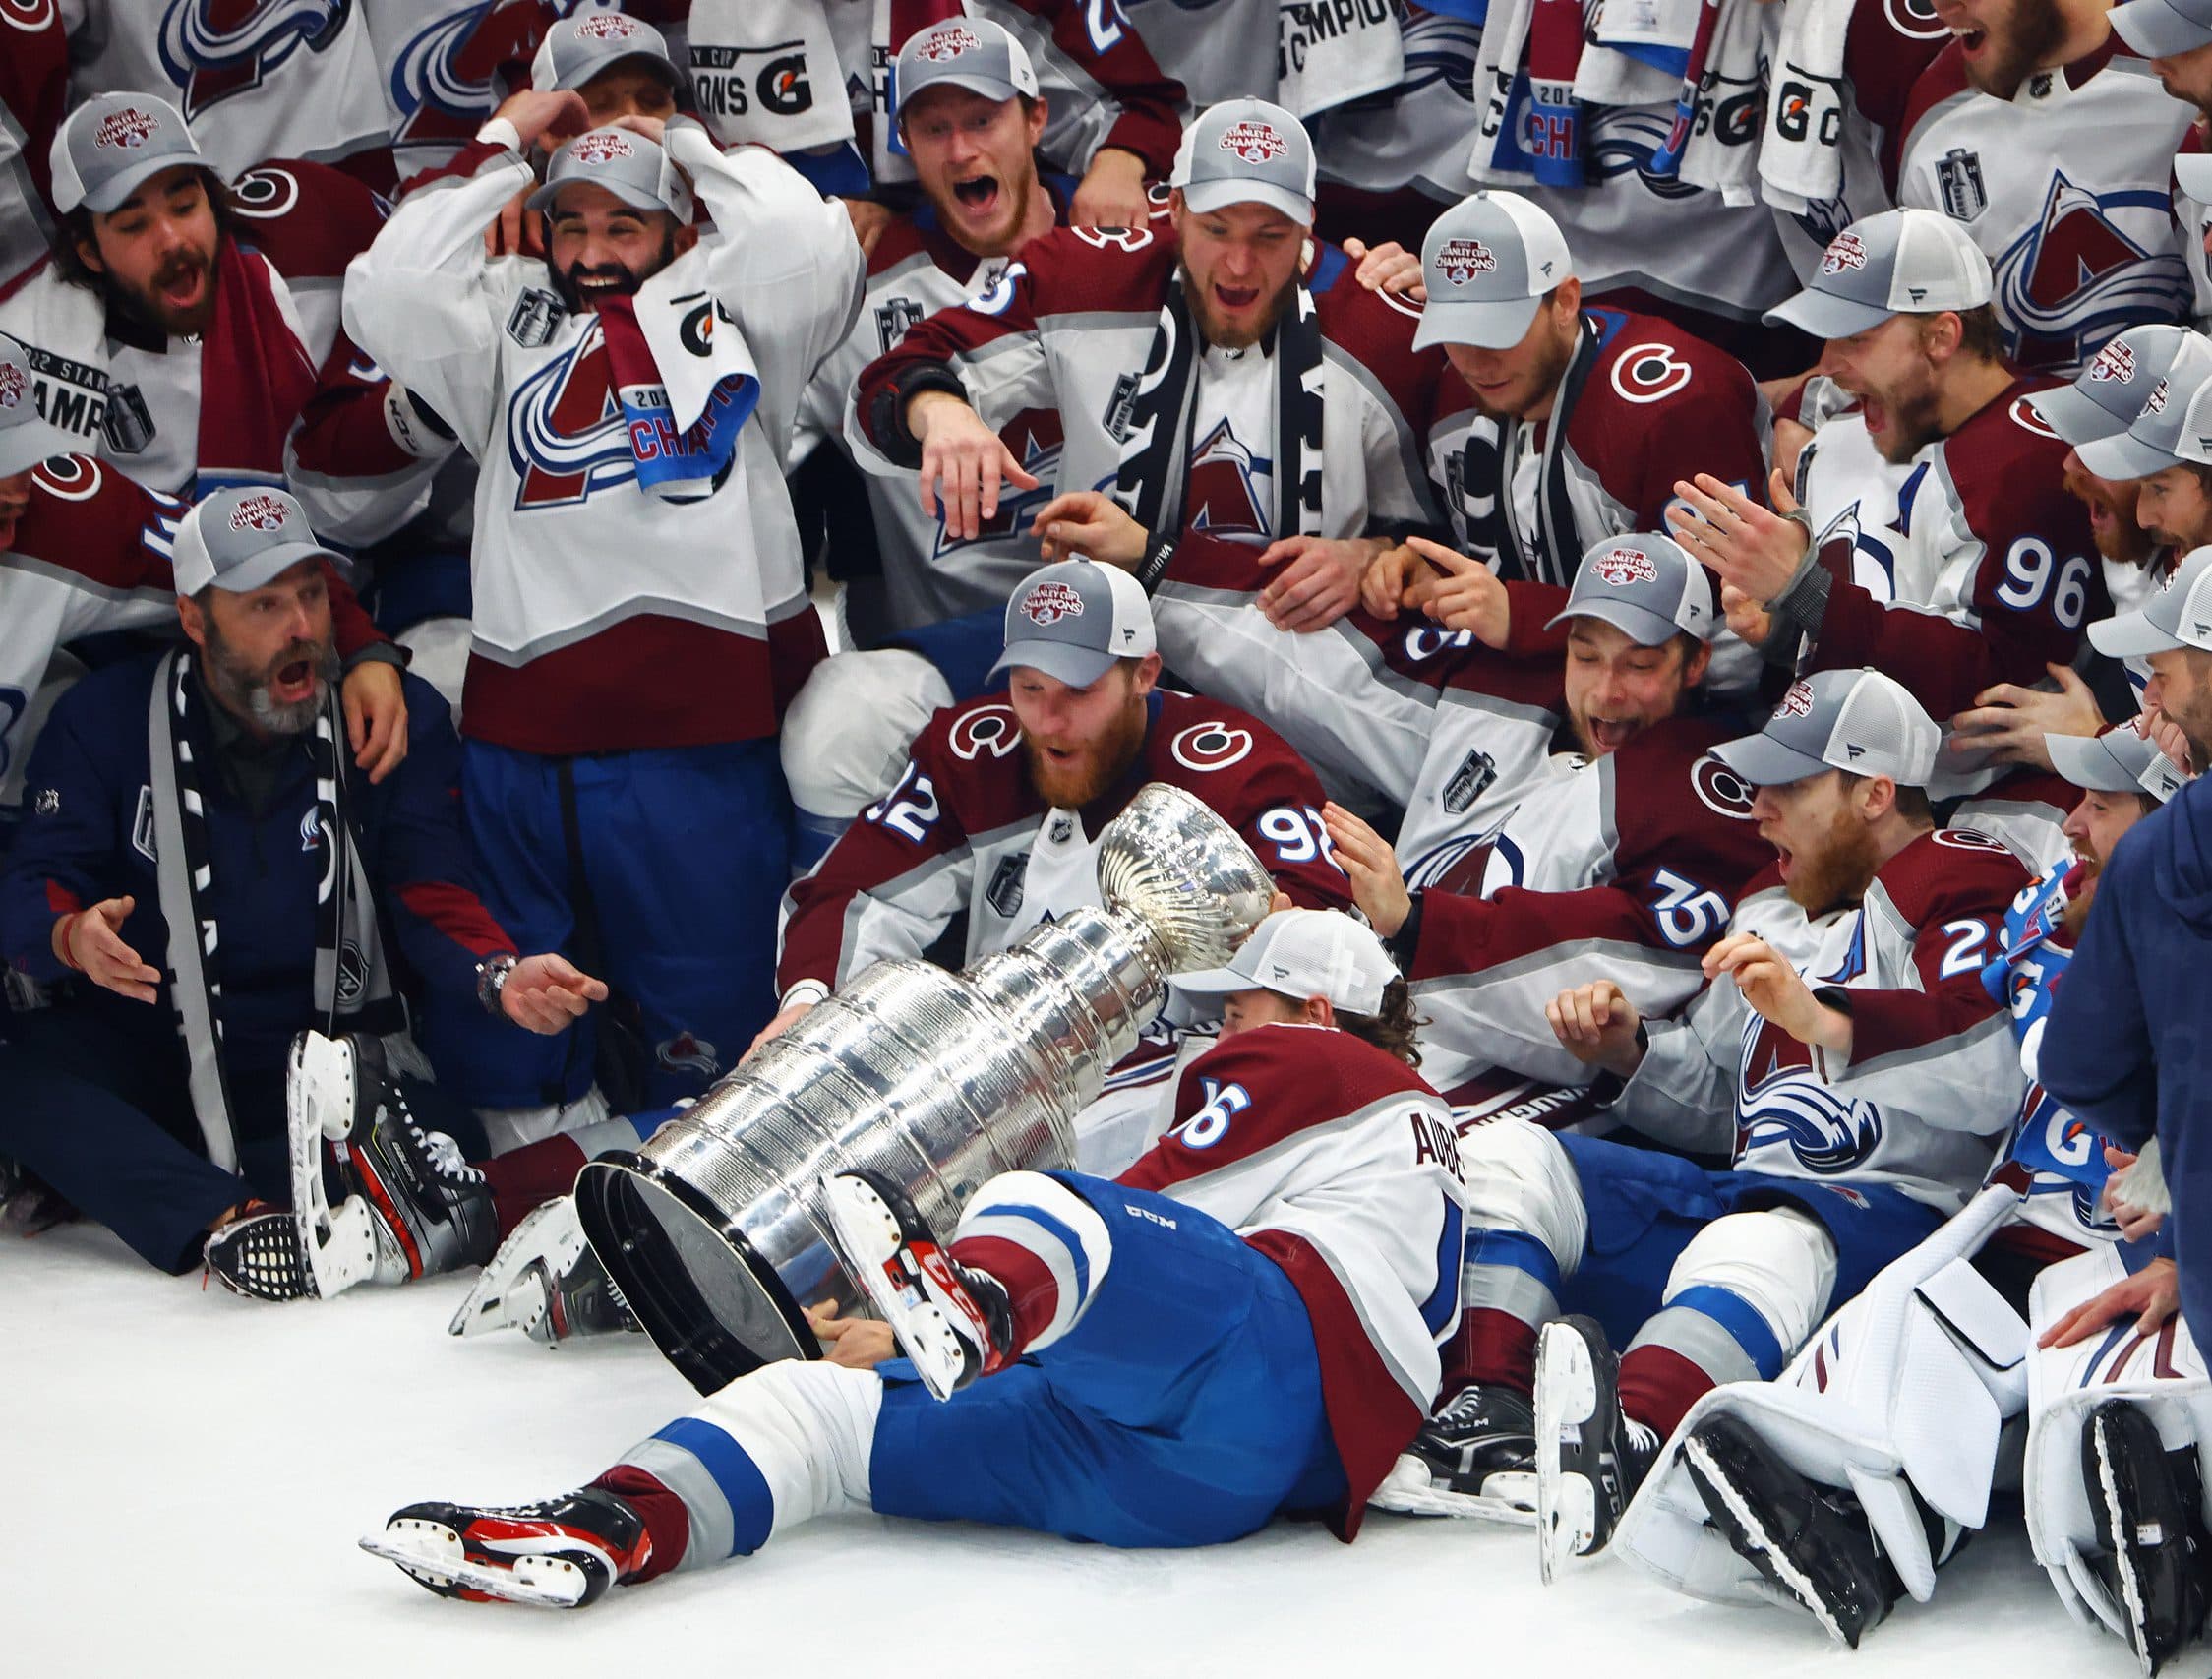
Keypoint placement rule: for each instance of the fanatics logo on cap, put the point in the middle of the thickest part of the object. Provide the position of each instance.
(1254, 141)
(602, 149)
(1460, 259)
(2157, 403)
(1626, 565)
(1798, 702)
(11, 385)
(1845, 250)
(129, 128)
(1048, 603)
(606, 26)
(2115, 361)
(950, 42)
(258, 512)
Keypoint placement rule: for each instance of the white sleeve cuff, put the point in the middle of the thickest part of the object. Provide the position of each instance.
(501, 132)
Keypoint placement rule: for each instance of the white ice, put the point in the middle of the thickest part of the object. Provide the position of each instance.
(186, 1474)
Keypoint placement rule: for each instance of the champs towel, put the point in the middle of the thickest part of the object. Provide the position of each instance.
(686, 386)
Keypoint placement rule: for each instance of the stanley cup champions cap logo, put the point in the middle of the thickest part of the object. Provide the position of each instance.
(951, 41)
(1254, 141)
(2115, 361)
(258, 512)
(1460, 259)
(601, 147)
(606, 26)
(1798, 702)
(1050, 602)
(1626, 565)
(11, 385)
(129, 128)
(1845, 250)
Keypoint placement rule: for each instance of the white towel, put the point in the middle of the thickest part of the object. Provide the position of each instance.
(1612, 74)
(1801, 156)
(1330, 56)
(753, 60)
(1504, 43)
(1723, 150)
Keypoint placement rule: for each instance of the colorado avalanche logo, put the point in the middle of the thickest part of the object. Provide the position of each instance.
(990, 729)
(1721, 788)
(1781, 1104)
(1211, 746)
(126, 130)
(1460, 259)
(214, 48)
(1257, 142)
(566, 435)
(2077, 276)
(1845, 250)
(1048, 603)
(12, 386)
(687, 1053)
(1798, 702)
(1915, 19)
(262, 513)
(602, 145)
(31, 16)
(2115, 361)
(1623, 566)
(443, 81)
(949, 43)
(1221, 498)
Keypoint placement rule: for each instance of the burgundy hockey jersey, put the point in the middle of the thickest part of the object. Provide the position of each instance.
(964, 830)
(33, 96)
(1341, 1164)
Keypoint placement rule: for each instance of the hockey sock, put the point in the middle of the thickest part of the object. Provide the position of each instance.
(523, 1180)
(1658, 1385)
(1044, 1245)
(668, 1525)
(1509, 1285)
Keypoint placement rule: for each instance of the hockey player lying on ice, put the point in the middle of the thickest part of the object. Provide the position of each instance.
(1243, 1324)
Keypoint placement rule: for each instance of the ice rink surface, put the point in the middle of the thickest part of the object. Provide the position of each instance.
(187, 1474)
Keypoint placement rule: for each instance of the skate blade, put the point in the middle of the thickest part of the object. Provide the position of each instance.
(512, 1290)
(541, 1583)
(322, 1082)
(1411, 1490)
(1733, 1513)
(2118, 1523)
(1566, 1399)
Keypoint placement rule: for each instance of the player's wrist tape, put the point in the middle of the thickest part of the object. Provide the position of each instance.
(1154, 566)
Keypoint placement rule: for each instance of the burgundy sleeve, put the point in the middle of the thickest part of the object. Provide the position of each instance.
(1106, 47)
(1463, 935)
(932, 345)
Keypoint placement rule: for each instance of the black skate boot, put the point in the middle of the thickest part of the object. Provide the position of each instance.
(1590, 1458)
(955, 1323)
(561, 1554)
(546, 1281)
(1811, 1540)
(1475, 1457)
(2145, 1501)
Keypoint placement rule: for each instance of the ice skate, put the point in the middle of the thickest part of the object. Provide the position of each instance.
(1475, 1457)
(1811, 1540)
(560, 1554)
(1589, 1457)
(259, 1254)
(954, 1323)
(546, 1281)
(2145, 1501)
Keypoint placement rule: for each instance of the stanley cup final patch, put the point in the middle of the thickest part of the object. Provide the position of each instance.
(537, 311)
(1958, 176)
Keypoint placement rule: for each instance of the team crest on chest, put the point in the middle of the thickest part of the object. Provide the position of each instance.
(214, 50)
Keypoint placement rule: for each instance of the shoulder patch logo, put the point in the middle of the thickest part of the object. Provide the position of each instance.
(1958, 177)
(1845, 250)
(1211, 746)
(1254, 141)
(537, 311)
(1048, 603)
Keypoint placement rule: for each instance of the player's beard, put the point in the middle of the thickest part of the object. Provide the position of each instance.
(568, 282)
(244, 689)
(1531, 388)
(1070, 787)
(2030, 31)
(1244, 334)
(2113, 525)
(2076, 913)
(1911, 420)
(1838, 872)
(145, 303)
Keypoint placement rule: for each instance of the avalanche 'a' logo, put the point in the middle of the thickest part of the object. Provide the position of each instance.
(214, 48)
(565, 431)
(1221, 500)
(2073, 279)
(442, 80)
(1782, 1103)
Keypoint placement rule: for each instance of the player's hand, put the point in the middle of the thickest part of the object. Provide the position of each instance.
(1383, 585)
(868, 219)
(1091, 525)
(2171, 740)
(963, 464)
(2010, 721)
(376, 717)
(1319, 582)
(1778, 993)
(549, 994)
(1388, 266)
(858, 1343)
(1460, 592)
(783, 1023)
(1776, 390)
(2150, 1298)
(1753, 548)
(1750, 623)
(1378, 884)
(1111, 193)
(546, 114)
(1790, 440)
(1596, 1024)
(517, 232)
(654, 129)
(92, 940)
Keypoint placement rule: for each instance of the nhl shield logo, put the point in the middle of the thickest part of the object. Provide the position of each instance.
(606, 26)
(2116, 361)
(11, 386)
(1845, 250)
(1626, 565)
(127, 128)
(1460, 259)
(1798, 702)
(1048, 603)
(949, 43)
(1257, 142)
(1958, 176)
(602, 147)
(353, 978)
(258, 512)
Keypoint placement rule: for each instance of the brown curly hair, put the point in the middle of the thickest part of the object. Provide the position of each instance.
(1392, 1029)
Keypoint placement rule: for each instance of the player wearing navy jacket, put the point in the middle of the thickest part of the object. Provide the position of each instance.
(1243, 1324)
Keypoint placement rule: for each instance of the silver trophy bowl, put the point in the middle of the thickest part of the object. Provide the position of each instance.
(713, 1230)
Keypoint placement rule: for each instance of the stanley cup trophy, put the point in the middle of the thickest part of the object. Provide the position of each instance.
(714, 1231)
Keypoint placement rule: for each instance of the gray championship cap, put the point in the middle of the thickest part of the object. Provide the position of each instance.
(973, 53)
(25, 439)
(1860, 721)
(575, 49)
(2174, 424)
(2106, 396)
(1073, 620)
(2163, 29)
(1902, 261)
(1300, 954)
(111, 142)
(1246, 152)
(2180, 614)
(242, 539)
(627, 165)
(1643, 585)
(1487, 262)
(2119, 761)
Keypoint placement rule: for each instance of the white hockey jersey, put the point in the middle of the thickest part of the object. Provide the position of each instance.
(571, 651)
(1934, 1074)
